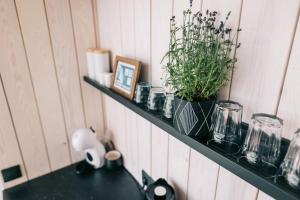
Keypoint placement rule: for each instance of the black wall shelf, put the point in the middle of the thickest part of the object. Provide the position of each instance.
(251, 174)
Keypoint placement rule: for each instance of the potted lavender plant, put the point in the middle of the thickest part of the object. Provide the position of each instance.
(197, 66)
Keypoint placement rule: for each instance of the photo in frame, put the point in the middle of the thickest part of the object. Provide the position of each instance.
(125, 76)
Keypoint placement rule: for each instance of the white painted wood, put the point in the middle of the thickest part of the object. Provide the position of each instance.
(203, 176)
(223, 7)
(84, 31)
(132, 151)
(128, 50)
(263, 55)
(160, 145)
(110, 38)
(142, 17)
(115, 114)
(161, 12)
(20, 94)
(127, 28)
(10, 154)
(231, 187)
(288, 107)
(109, 23)
(144, 145)
(264, 196)
(178, 166)
(61, 32)
(131, 135)
(38, 48)
(96, 22)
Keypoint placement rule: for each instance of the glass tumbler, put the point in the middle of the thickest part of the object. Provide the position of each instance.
(226, 122)
(168, 109)
(156, 99)
(263, 139)
(290, 166)
(142, 92)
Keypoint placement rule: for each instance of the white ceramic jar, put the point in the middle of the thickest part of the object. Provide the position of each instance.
(90, 63)
(101, 64)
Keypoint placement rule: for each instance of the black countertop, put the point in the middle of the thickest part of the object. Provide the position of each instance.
(64, 184)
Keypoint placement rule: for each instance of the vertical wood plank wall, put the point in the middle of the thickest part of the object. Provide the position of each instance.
(42, 96)
(264, 80)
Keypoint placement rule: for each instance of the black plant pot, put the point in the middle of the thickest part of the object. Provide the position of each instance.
(193, 118)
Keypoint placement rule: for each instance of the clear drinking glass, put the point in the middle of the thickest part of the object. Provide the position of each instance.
(168, 109)
(156, 99)
(263, 140)
(290, 166)
(142, 92)
(226, 122)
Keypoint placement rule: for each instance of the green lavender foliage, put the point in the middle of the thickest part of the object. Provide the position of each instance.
(199, 59)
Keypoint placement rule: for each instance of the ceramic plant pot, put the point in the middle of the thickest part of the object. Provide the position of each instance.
(193, 118)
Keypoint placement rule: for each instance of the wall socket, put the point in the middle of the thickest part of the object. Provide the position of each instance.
(11, 173)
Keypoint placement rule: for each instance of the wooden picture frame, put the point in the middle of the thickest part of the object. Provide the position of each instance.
(126, 74)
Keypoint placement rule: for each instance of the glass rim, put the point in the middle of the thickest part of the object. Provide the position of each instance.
(255, 115)
(240, 107)
(143, 83)
(157, 90)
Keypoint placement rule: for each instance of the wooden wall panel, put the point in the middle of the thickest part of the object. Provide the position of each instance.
(127, 28)
(263, 55)
(291, 91)
(61, 32)
(41, 45)
(84, 31)
(159, 160)
(110, 33)
(138, 144)
(144, 145)
(203, 176)
(39, 53)
(20, 94)
(96, 21)
(115, 123)
(178, 166)
(161, 12)
(142, 14)
(10, 154)
(131, 155)
(228, 184)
